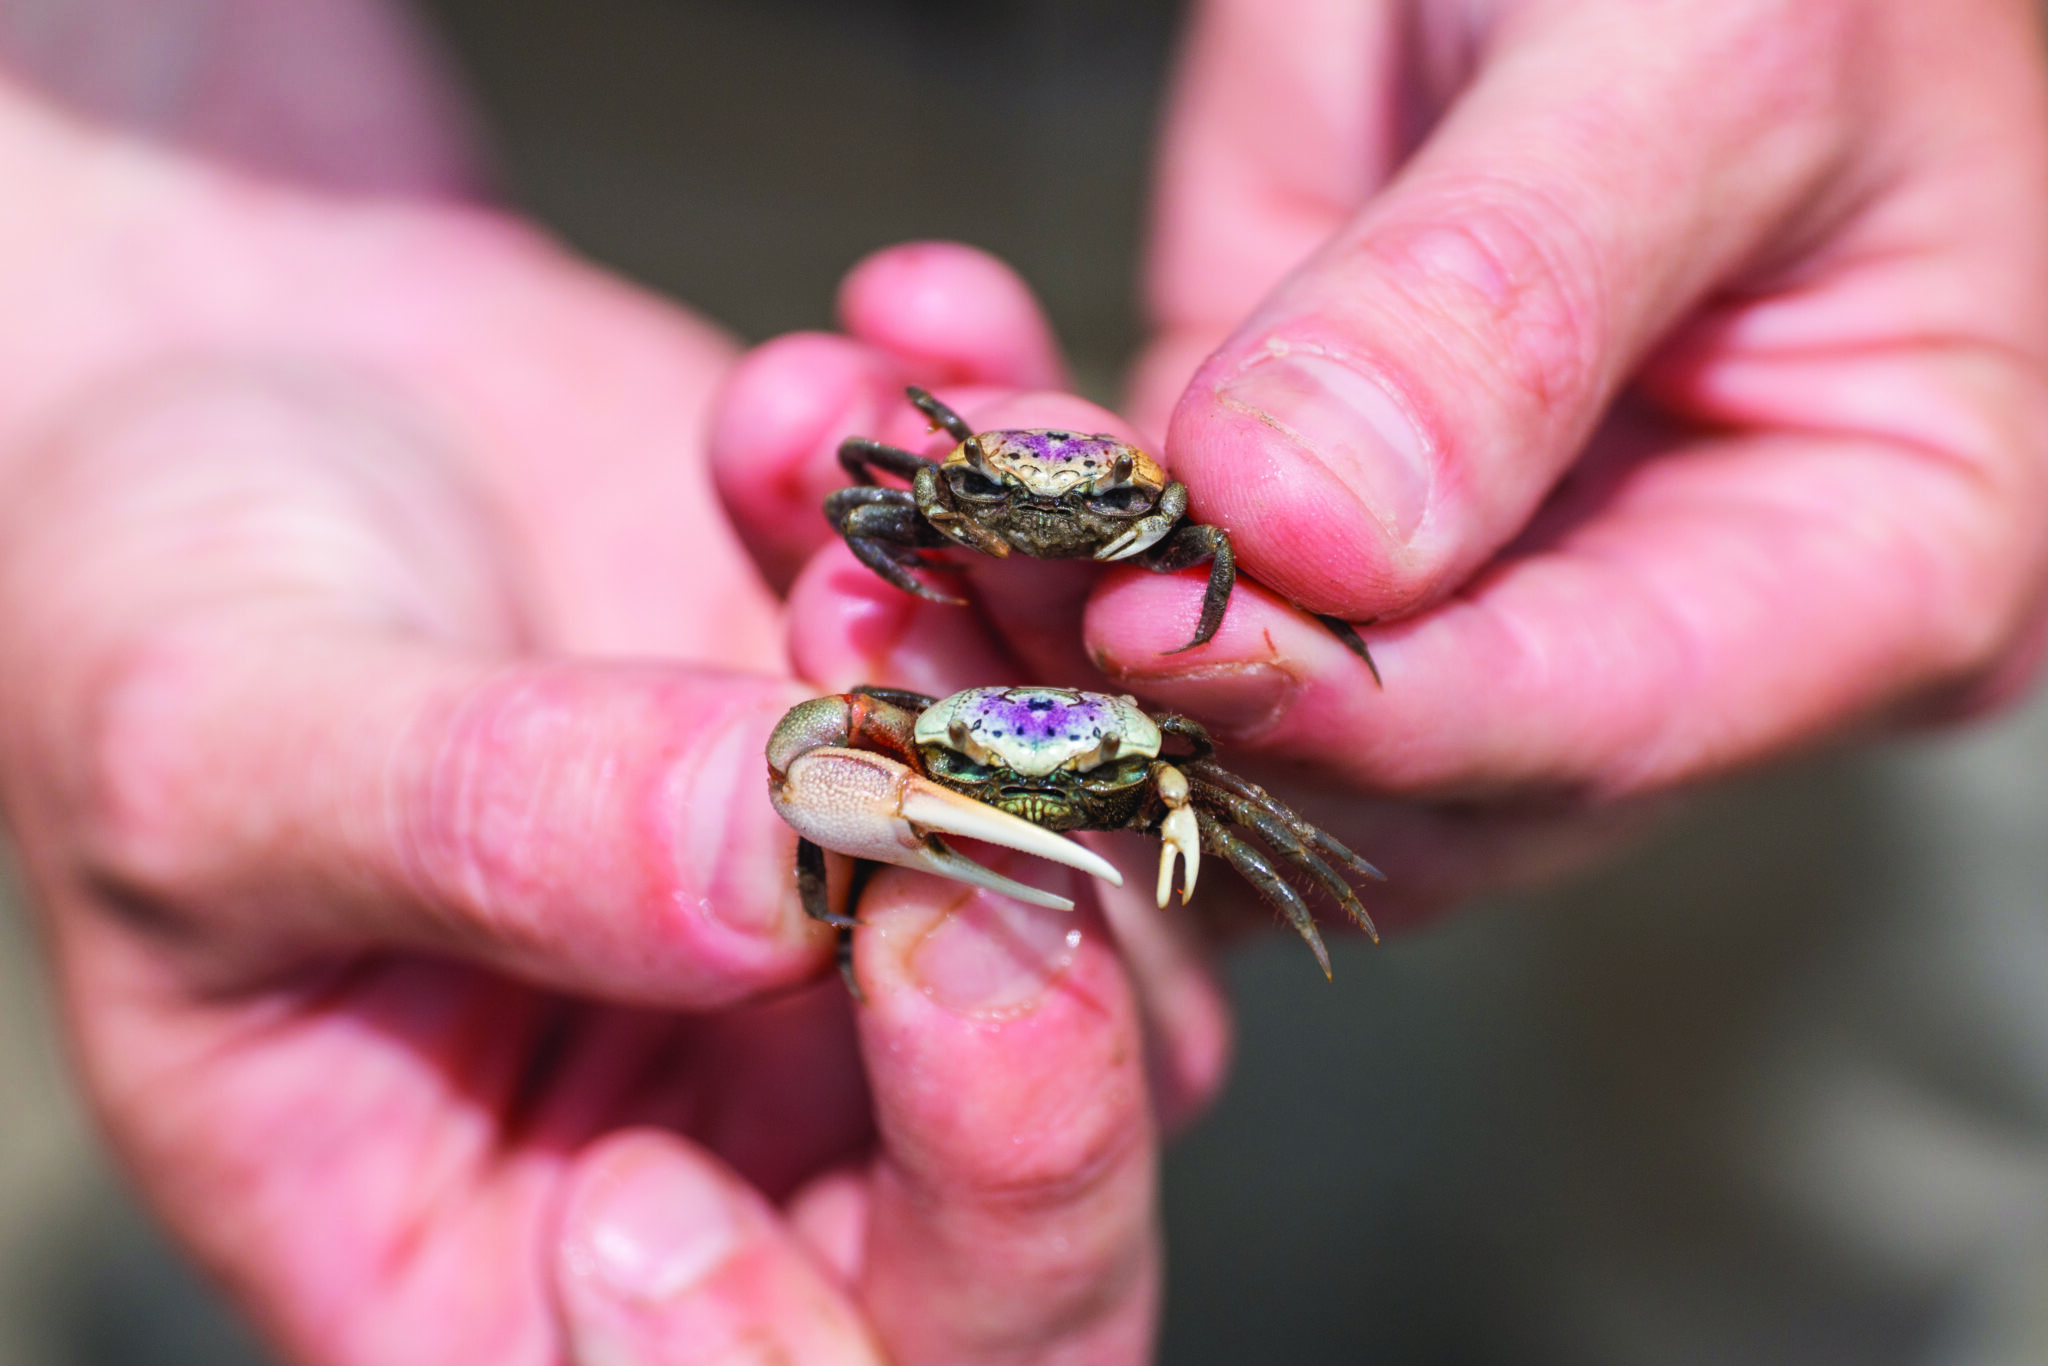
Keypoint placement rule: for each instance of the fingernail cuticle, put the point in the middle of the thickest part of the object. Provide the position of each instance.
(992, 956)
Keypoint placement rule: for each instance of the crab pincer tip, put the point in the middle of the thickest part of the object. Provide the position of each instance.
(931, 807)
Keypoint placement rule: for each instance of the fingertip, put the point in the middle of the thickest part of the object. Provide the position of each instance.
(1245, 682)
(662, 1252)
(1316, 508)
(830, 1215)
(1186, 1010)
(970, 954)
(775, 434)
(954, 313)
(1013, 1214)
(739, 855)
(602, 827)
(1002, 1039)
(781, 397)
(1193, 1026)
(848, 626)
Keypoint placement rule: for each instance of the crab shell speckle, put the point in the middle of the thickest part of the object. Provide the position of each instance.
(1037, 731)
(1053, 463)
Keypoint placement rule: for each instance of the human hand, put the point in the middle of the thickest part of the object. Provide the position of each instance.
(949, 316)
(1669, 377)
(1711, 334)
(943, 314)
(382, 735)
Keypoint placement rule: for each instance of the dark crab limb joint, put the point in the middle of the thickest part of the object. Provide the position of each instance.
(884, 775)
(1049, 494)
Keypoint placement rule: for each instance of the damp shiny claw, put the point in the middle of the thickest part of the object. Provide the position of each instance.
(870, 806)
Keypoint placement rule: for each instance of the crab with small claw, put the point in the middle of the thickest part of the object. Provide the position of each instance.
(1052, 495)
(885, 775)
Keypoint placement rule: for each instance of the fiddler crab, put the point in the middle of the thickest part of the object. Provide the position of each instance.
(1052, 495)
(884, 775)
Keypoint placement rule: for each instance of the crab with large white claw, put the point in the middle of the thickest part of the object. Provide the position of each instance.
(884, 775)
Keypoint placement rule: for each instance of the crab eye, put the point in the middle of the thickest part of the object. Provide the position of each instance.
(1130, 769)
(974, 484)
(1127, 501)
(950, 763)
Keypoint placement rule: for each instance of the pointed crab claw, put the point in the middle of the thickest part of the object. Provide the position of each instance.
(870, 806)
(1179, 834)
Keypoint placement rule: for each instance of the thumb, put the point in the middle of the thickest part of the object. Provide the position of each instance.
(263, 679)
(1393, 413)
(601, 828)
(1013, 1212)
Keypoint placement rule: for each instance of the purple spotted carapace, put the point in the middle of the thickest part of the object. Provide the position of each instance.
(1038, 730)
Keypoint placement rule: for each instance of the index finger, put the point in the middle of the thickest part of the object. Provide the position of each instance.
(1013, 1211)
(321, 732)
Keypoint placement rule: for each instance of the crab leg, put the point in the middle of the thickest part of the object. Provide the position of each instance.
(1218, 776)
(1192, 544)
(856, 453)
(942, 417)
(873, 807)
(1270, 885)
(811, 887)
(884, 531)
(1289, 846)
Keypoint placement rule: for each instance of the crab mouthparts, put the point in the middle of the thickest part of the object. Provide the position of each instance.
(1035, 804)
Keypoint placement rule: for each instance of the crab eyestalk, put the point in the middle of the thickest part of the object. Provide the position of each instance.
(1179, 834)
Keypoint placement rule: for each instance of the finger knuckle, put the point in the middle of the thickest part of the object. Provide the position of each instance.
(138, 792)
(1081, 1161)
(473, 844)
(1509, 293)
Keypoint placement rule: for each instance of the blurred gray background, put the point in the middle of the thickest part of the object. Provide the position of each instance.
(1773, 1088)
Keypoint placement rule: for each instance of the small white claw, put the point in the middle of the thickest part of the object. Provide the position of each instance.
(1179, 835)
(868, 805)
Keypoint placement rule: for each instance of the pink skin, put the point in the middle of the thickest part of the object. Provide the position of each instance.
(381, 731)
(1805, 240)
(847, 626)
(1811, 234)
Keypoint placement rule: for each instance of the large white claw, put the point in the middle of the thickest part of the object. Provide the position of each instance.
(870, 806)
